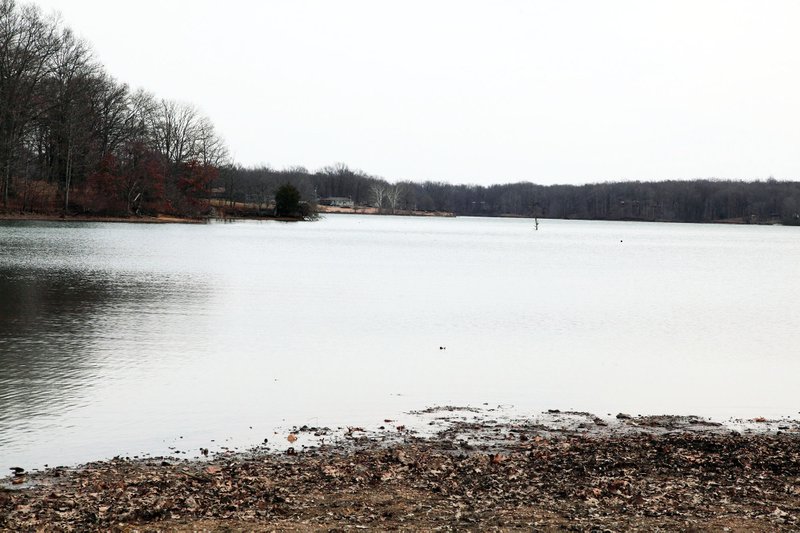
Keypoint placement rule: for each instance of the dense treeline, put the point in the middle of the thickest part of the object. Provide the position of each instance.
(685, 201)
(75, 140)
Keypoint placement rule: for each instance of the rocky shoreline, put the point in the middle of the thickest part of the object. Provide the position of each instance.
(471, 471)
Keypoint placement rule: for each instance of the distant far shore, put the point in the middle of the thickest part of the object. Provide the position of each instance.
(323, 210)
(167, 219)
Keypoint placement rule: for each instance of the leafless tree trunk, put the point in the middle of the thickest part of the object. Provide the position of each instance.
(393, 195)
(378, 191)
(68, 175)
(73, 84)
(27, 43)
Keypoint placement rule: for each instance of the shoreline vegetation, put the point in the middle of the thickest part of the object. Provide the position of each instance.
(76, 142)
(321, 210)
(474, 470)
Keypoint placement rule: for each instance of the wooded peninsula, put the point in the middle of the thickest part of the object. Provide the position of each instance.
(74, 141)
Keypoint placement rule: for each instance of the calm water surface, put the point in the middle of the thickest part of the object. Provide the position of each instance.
(126, 338)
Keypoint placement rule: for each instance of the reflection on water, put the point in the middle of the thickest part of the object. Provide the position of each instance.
(125, 338)
(83, 309)
(54, 330)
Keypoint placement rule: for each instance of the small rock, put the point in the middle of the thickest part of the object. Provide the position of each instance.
(623, 416)
(402, 458)
(780, 513)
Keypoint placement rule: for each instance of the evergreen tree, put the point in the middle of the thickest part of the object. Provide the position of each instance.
(287, 201)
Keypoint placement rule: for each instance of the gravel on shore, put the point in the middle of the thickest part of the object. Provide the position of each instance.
(554, 471)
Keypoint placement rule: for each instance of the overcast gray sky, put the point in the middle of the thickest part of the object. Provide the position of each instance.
(478, 92)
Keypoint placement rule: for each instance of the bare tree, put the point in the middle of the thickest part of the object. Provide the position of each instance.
(72, 74)
(175, 127)
(69, 130)
(114, 113)
(393, 196)
(378, 191)
(337, 169)
(210, 148)
(28, 42)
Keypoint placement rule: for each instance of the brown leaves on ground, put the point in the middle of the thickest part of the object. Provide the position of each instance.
(619, 482)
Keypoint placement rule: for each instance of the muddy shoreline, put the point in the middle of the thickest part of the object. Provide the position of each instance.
(471, 470)
(161, 219)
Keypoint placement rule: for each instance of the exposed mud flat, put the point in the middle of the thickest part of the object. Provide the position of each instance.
(458, 469)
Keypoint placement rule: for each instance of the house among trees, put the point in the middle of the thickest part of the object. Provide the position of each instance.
(337, 201)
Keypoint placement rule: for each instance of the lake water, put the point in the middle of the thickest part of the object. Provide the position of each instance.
(131, 338)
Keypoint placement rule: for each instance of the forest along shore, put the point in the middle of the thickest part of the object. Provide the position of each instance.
(364, 210)
(472, 470)
(160, 219)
